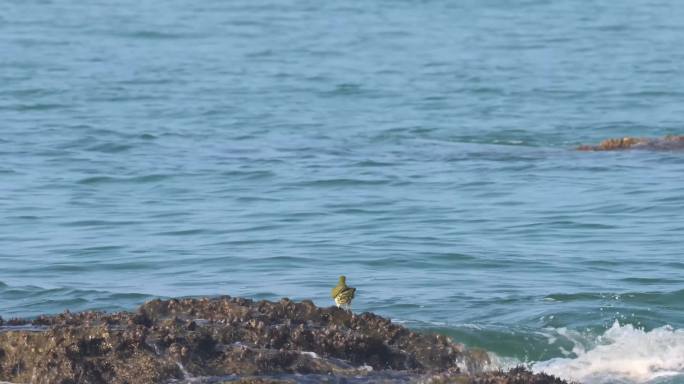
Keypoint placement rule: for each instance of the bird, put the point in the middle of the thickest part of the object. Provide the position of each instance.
(343, 294)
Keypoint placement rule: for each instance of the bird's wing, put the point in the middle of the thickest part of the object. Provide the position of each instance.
(337, 290)
(349, 292)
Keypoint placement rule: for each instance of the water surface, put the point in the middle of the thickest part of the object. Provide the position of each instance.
(422, 148)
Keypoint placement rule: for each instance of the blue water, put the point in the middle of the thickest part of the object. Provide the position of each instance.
(422, 148)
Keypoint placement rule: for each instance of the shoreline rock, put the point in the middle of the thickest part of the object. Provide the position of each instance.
(228, 339)
(667, 143)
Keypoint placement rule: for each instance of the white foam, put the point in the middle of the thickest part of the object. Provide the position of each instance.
(623, 354)
(310, 354)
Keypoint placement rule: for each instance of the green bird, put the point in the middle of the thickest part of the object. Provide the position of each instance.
(343, 294)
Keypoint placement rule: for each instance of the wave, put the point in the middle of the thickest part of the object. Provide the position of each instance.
(623, 354)
(29, 301)
(672, 298)
(93, 180)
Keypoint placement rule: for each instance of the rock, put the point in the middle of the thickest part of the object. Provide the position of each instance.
(666, 143)
(234, 339)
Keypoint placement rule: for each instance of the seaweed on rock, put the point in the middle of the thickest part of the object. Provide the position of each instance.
(234, 339)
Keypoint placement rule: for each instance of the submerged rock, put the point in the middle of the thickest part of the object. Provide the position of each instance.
(664, 144)
(232, 339)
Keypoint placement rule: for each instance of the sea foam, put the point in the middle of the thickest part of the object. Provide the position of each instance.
(624, 354)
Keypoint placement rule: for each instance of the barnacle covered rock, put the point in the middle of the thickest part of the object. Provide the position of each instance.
(231, 338)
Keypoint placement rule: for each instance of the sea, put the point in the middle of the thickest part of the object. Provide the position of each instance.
(426, 149)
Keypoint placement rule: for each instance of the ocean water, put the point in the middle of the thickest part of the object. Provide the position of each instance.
(422, 148)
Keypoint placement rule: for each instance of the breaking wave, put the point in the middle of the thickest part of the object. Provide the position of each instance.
(623, 354)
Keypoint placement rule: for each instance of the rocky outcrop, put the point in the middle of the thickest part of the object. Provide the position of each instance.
(663, 144)
(228, 339)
